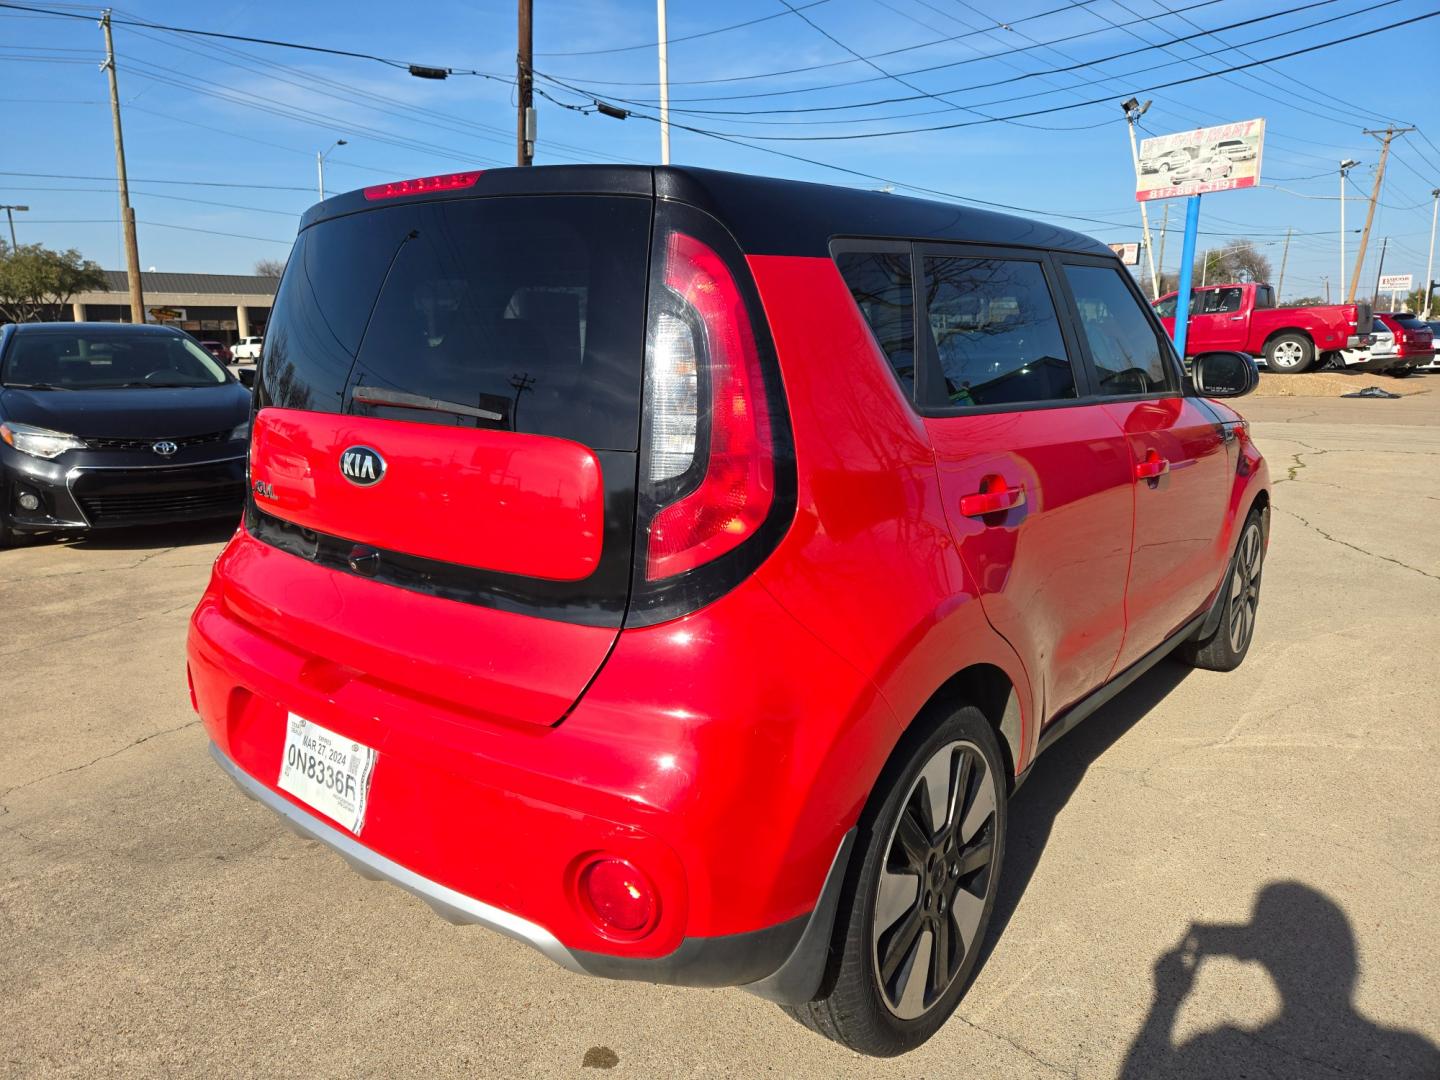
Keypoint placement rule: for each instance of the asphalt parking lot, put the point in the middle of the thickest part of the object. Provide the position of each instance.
(1284, 820)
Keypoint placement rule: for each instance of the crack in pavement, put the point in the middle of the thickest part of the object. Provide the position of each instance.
(1060, 1069)
(1356, 547)
(106, 569)
(187, 606)
(95, 761)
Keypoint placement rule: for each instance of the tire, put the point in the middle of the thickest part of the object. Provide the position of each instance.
(875, 999)
(1225, 648)
(1289, 354)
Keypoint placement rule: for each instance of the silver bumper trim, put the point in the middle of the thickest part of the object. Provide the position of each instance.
(450, 905)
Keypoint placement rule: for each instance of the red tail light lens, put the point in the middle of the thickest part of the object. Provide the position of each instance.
(618, 897)
(706, 338)
(422, 184)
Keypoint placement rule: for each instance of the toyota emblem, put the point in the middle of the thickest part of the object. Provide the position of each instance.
(165, 448)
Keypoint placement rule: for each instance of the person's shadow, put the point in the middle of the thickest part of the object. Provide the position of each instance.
(1303, 939)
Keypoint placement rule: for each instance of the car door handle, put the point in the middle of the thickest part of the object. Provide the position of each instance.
(1237, 318)
(1152, 468)
(994, 496)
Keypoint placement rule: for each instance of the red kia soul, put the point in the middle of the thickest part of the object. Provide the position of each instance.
(677, 570)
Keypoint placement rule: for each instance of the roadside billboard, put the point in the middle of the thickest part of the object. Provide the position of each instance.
(1129, 253)
(1221, 158)
(1393, 283)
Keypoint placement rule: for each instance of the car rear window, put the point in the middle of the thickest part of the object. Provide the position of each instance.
(528, 311)
(1410, 322)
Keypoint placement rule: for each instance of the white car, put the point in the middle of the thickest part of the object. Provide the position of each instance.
(1379, 355)
(246, 350)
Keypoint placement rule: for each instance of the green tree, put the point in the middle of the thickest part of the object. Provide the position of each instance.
(35, 282)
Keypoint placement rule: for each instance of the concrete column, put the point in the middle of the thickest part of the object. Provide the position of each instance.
(242, 320)
(78, 310)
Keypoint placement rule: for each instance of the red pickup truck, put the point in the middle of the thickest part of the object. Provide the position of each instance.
(1244, 317)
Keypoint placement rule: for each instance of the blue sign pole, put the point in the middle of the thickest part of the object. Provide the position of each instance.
(1187, 264)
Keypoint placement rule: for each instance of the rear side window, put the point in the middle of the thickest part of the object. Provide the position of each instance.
(995, 332)
(880, 283)
(1123, 343)
(527, 312)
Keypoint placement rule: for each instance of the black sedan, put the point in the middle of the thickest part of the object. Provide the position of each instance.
(108, 424)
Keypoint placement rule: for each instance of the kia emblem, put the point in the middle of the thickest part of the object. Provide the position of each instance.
(362, 465)
(165, 448)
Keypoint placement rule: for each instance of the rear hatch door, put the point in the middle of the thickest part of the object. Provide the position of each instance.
(449, 422)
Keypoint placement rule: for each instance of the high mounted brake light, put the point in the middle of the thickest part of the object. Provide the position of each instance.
(424, 184)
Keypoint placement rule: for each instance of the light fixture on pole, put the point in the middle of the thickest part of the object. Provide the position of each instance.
(320, 157)
(1345, 167)
(1134, 109)
(10, 215)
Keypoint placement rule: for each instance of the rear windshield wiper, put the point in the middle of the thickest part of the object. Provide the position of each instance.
(399, 399)
(34, 386)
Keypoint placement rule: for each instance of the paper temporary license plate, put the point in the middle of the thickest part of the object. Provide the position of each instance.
(326, 771)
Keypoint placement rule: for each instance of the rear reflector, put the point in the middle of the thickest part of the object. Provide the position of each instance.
(423, 184)
(618, 897)
(733, 497)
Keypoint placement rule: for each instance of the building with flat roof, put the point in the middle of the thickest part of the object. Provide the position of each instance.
(216, 307)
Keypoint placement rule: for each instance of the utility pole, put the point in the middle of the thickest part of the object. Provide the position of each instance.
(1385, 138)
(1379, 273)
(10, 209)
(1345, 167)
(1133, 111)
(1284, 258)
(1205, 269)
(1326, 279)
(664, 85)
(1160, 258)
(127, 215)
(1429, 262)
(525, 89)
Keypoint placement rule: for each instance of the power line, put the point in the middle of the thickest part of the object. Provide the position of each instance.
(686, 37)
(186, 183)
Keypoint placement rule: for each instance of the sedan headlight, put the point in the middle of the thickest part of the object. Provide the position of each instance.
(37, 441)
(241, 431)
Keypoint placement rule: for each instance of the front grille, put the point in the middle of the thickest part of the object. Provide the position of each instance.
(181, 442)
(152, 496)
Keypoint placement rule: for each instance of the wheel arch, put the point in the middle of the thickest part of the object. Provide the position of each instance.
(1300, 330)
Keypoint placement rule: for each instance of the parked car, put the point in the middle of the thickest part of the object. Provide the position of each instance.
(635, 568)
(1379, 356)
(1414, 340)
(1235, 149)
(106, 424)
(1200, 165)
(247, 350)
(1166, 163)
(218, 349)
(1243, 316)
(1434, 362)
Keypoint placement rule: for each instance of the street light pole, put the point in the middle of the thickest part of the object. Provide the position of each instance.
(320, 157)
(664, 85)
(1429, 262)
(11, 208)
(1133, 111)
(1345, 167)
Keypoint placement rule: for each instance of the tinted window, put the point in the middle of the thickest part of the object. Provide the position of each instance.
(880, 283)
(1125, 348)
(1410, 322)
(1221, 301)
(994, 328)
(1166, 308)
(531, 310)
(1264, 297)
(97, 359)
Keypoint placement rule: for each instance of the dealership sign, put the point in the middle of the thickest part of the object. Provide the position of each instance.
(1129, 253)
(1394, 283)
(1222, 158)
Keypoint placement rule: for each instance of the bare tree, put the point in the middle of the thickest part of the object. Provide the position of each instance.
(269, 267)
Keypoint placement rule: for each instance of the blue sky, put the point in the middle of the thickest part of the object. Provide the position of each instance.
(201, 113)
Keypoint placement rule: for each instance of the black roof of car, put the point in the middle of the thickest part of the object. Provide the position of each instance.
(71, 327)
(767, 216)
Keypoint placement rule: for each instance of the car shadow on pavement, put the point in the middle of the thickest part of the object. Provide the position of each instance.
(141, 538)
(1055, 777)
(1304, 941)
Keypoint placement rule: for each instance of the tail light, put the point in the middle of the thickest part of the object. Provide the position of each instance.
(717, 467)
